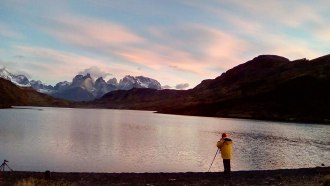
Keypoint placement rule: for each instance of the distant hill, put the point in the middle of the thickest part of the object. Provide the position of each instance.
(267, 87)
(140, 99)
(13, 95)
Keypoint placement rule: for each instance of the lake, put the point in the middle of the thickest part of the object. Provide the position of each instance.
(102, 140)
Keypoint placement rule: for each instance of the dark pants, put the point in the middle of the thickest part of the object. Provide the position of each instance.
(226, 166)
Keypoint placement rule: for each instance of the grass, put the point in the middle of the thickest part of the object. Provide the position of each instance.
(319, 176)
(326, 181)
(40, 182)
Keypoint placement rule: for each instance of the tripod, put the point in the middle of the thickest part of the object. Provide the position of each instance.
(4, 165)
(216, 153)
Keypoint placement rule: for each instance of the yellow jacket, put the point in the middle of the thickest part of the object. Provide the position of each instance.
(226, 147)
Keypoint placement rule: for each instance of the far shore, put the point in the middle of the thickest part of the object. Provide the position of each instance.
(303, 176)
(283, 120)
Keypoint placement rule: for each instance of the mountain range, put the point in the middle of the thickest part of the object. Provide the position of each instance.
(268, 87)
(82, 87)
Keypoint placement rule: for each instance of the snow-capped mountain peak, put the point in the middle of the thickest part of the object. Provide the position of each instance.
(19, 80)
(4, 73)
(129, 82)
(23, 81)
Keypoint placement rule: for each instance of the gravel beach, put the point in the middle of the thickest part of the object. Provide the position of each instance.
(304, 176)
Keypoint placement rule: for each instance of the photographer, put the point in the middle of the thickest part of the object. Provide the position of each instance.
(225, 146)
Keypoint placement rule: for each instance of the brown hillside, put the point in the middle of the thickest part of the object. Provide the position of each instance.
(267, 87)
(12, 95)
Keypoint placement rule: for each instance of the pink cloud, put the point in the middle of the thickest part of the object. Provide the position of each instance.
(215, 48)
(198, 51)
(54, 65)
(224, 49)
(167, 64)
(217, 51)
(160, 57)
(88, 32)
(266, 40)
(117, 40)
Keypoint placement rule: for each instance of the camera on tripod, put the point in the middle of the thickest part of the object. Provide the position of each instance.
(4, 165)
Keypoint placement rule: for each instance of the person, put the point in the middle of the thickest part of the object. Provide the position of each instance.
(225, 146)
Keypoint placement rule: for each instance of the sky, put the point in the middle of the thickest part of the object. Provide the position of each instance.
(177, 42)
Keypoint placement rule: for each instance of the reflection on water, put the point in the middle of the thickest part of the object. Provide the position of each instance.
(99, 140)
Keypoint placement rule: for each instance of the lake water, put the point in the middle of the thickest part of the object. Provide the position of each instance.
(101, 140)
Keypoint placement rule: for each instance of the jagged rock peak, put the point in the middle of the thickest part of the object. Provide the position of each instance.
(80, 76)
(88, 75)
(112, 81)
(100, 79)
(99, 83)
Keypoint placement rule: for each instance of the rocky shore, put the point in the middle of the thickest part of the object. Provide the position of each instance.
(305, 176)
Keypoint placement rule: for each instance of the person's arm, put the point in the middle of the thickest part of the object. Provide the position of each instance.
(220, 143)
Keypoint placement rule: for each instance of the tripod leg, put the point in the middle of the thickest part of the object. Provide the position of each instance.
(9, 167)
(213, 160)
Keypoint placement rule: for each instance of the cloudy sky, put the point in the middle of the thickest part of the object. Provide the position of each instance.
(178, 42)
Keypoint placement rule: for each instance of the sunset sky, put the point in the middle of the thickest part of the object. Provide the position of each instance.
(177, 42)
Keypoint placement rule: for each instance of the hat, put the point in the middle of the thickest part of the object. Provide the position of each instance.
(224, 135)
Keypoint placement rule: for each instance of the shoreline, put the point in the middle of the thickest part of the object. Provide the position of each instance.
(302, 176)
